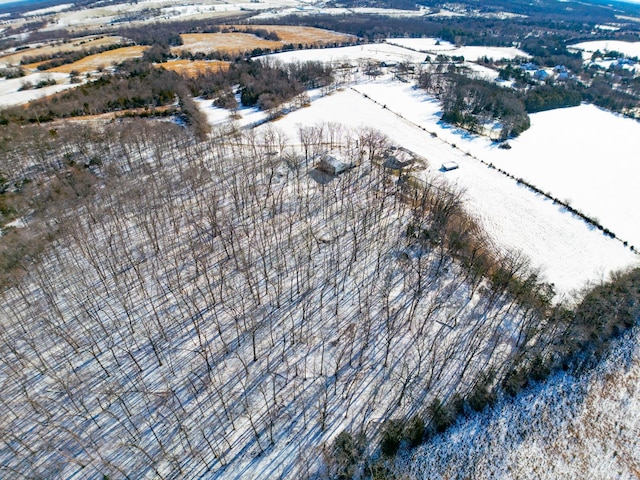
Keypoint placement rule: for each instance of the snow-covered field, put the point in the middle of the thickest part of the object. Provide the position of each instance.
(375, 51)
(398, 49)
(514, 217)
(10, 94)
(321, 9)
(470, 53)
(97, 17)
(45, 11)
(630, 49)
(571, 427)
(586, 155)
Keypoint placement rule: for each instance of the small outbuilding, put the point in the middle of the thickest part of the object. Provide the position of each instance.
(448, 166)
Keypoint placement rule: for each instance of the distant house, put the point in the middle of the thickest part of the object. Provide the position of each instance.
(448, 166)
(529, 67)
(541, 75)
(333, 163)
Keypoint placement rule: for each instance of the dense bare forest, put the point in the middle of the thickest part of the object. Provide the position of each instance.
(178, 301)
(203, 306)
(205, 302)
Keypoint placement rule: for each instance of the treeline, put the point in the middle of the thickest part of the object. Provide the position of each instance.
(474, 104)
(395, 4)
(135, 84)
(466, 30)
(138, 84)
(548, 97)
(168, 33)
(260, 83)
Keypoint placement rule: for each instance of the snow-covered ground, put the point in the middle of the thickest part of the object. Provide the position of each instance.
(45, 11)
(10, 94)
(484, 73)
(320, 9)
(570, 427)
(569, 252)
(244, 116)
(105, 14)
(585, 155)
(374, 51)
(471, 53)
(630, 49)
(230, 312)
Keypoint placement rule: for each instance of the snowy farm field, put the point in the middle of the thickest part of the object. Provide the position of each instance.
(515, 218)
(233, 42)
(373, 52)
(12, 92)
(471, 53)
(629, 49)
(307, 36)
(238, 41)
(96, 18)
(583, 155)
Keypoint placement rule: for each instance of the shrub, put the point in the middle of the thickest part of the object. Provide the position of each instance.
(414, 431)
(481, 395)
(345, 454)
(442, 416)
(391, 437)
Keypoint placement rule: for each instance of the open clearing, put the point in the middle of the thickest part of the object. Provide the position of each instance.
(379, 52)
(239, 42)
(193, 68)
(101, 60)
(582, 154)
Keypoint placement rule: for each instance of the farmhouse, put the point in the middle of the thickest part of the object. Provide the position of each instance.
(398, 158)
(333, 163)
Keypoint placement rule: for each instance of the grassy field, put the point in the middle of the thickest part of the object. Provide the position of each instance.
(72, 46)
(193, 68)
(239, 42)
(234, 42)
(308, 36)
(101, 60)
